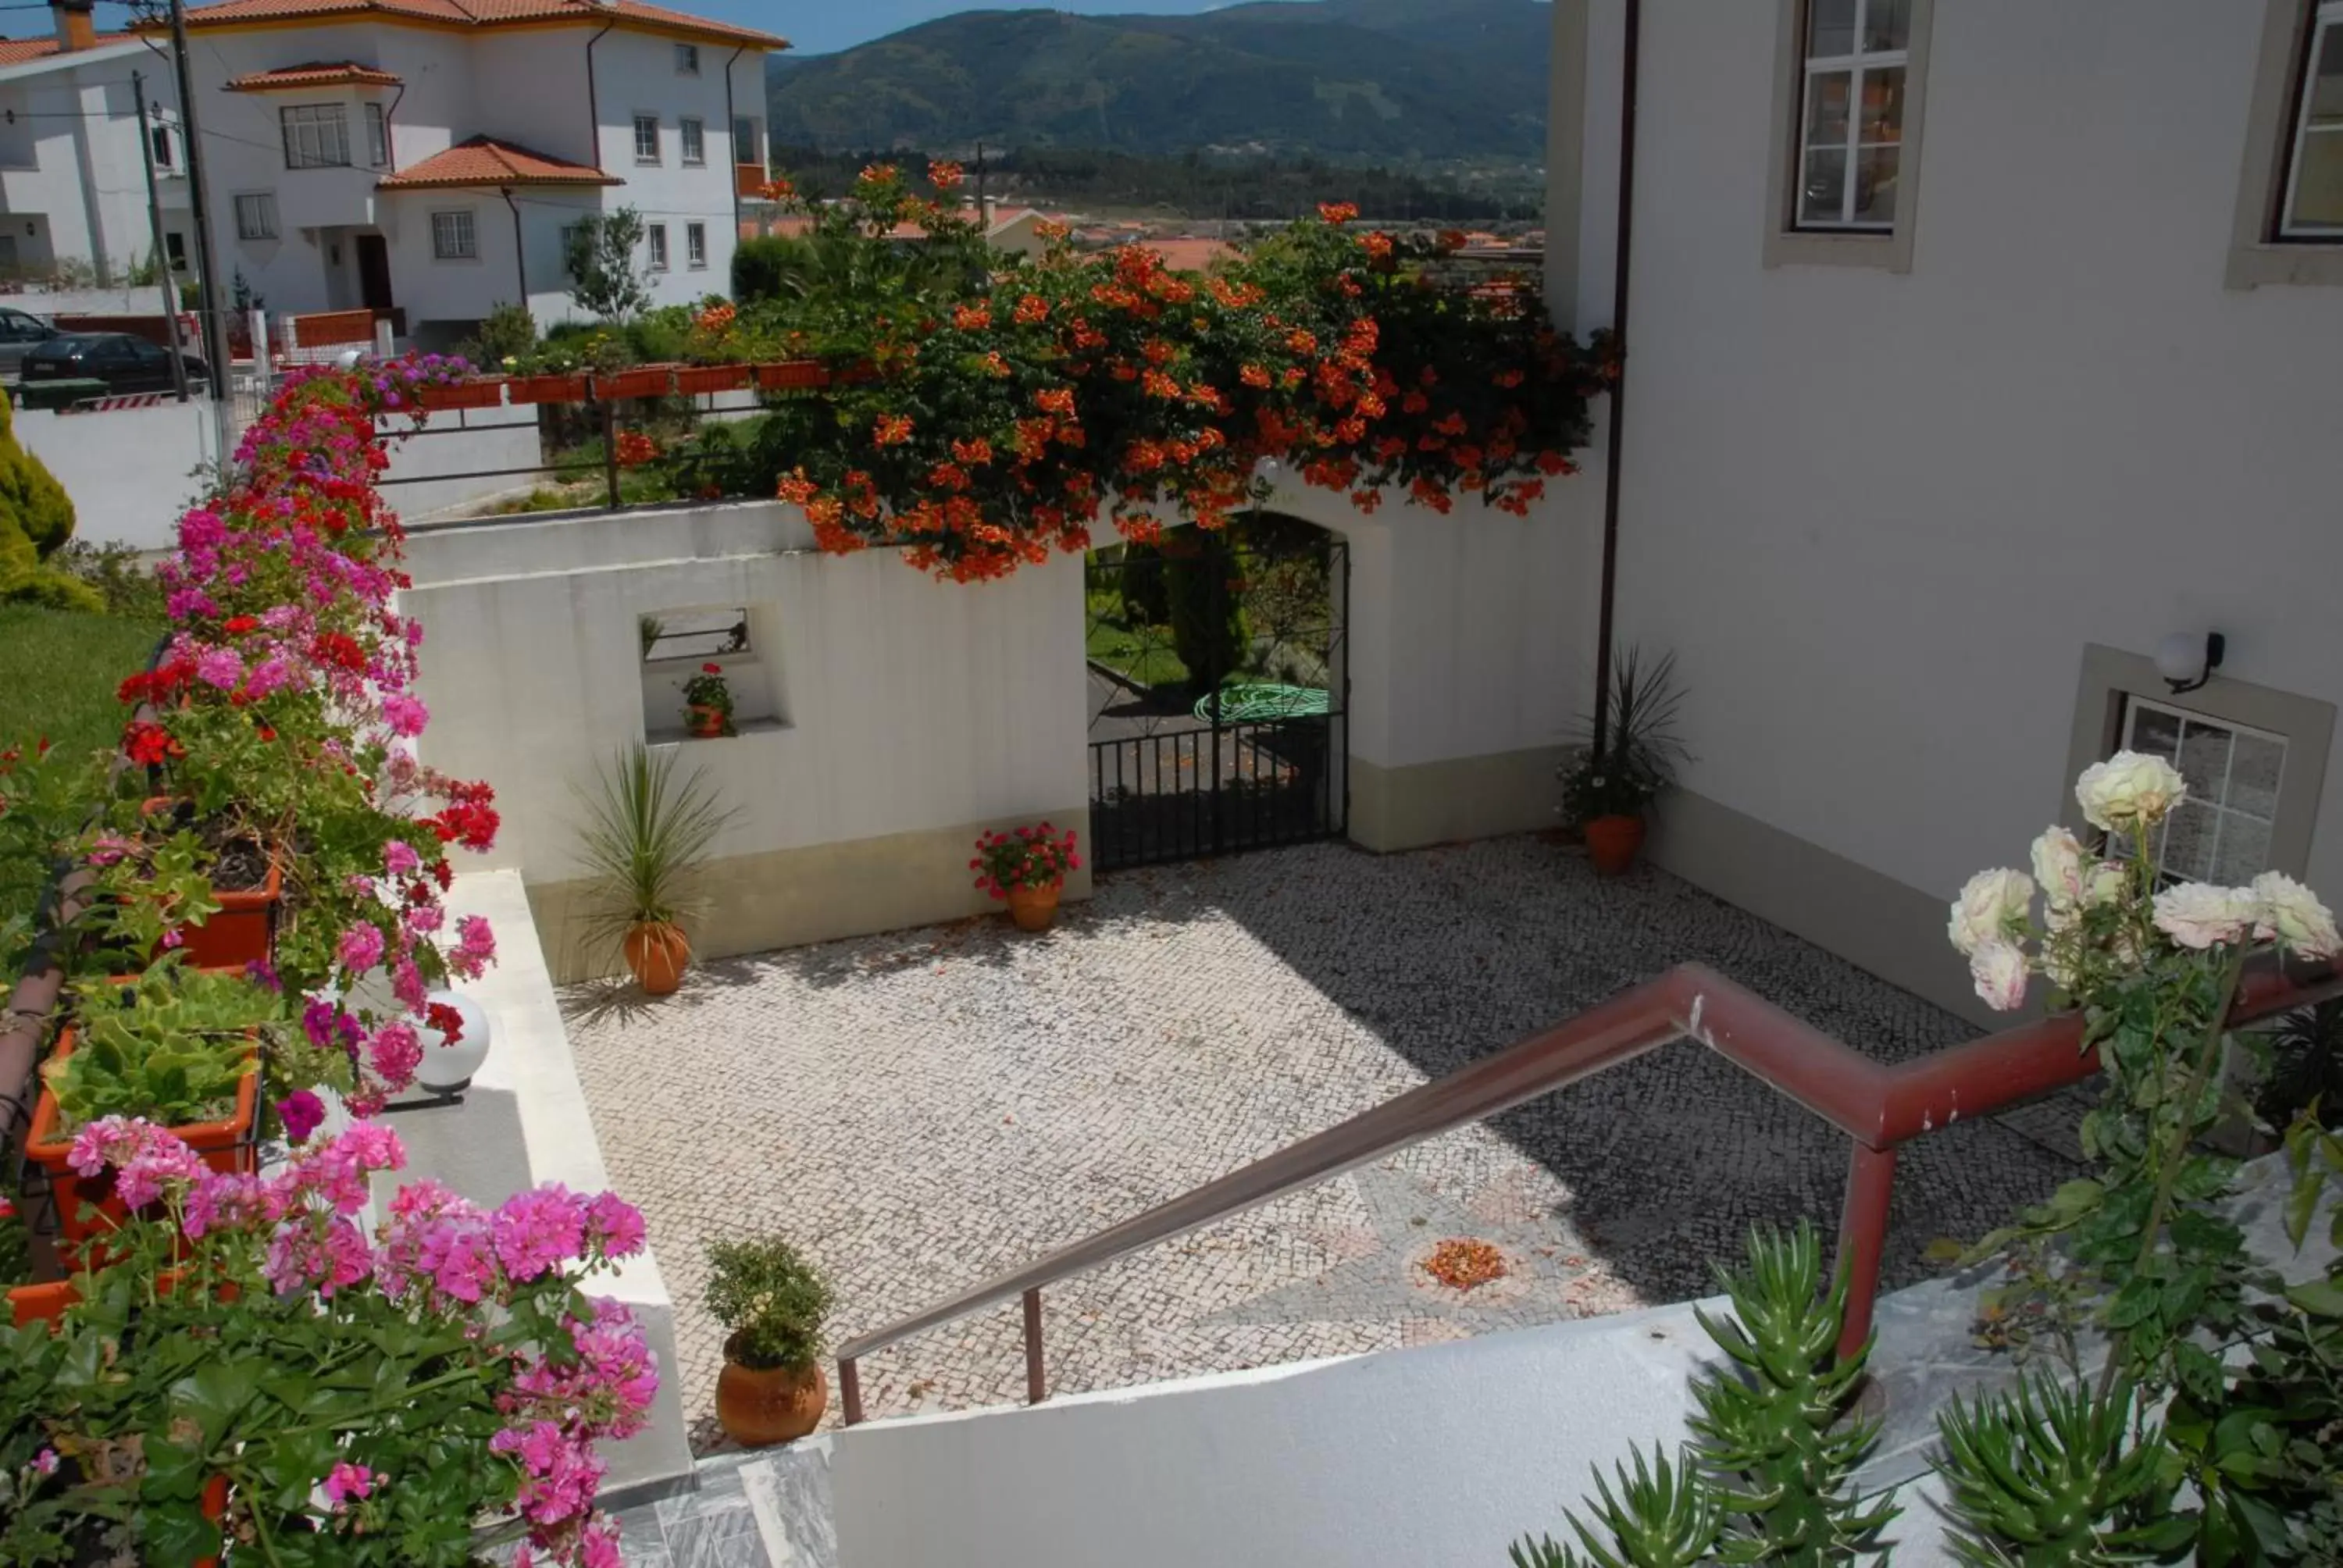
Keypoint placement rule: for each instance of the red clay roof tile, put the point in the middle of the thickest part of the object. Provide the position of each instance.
(22, 51)
(485, 161)
(481, 14)
(320, 74)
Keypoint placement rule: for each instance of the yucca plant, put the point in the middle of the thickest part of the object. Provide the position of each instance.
(2052, 1477)
(647, 831)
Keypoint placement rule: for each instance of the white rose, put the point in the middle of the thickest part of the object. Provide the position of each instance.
(2105, 885)
(2128, 791)
(1988, 906)
(1999, 970)
(2059, 866)
(2290, 914)
(2199, 915)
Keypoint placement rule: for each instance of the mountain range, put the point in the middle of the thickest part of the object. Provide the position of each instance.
(1399, 81)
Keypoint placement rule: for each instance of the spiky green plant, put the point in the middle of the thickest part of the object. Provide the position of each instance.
(647, 831)
(2052, 1477)
(1661, 1517)
(1779, 1436)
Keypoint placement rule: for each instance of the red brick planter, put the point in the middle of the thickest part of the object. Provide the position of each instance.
(698, 379)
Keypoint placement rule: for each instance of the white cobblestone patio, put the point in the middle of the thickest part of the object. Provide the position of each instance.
(923, 1110)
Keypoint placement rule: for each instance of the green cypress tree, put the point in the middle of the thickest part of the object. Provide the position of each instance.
(37, 519)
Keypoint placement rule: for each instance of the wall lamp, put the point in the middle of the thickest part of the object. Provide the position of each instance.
(2188, 660)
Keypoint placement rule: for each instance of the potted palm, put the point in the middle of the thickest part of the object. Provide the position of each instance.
(646, 832)
(1628, 759)
(771, 1300)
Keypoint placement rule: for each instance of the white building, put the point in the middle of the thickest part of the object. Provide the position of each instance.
(72, 186)
(424, 158)
(1921, 466)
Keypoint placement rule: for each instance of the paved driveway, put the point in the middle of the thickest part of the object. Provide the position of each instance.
(923, 1110)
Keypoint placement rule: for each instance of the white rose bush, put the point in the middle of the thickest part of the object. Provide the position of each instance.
(2242, 1466)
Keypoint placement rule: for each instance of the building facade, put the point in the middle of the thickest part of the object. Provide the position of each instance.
(72, 184)
(428, 157)
(1975, 353)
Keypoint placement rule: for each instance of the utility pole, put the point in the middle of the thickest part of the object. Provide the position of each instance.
(982, 222)
(155, 228)
(209, 319)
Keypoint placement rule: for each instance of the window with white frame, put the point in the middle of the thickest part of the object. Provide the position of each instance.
(2221, 831)
(686, 59)
(453, 237)
(656, 235)
(695, 141)
(256, 215)
(2313, 204)
(1851, 113)
(377, 137)
(747, 147)
(646, 139)
(695, 243)
(316, 136)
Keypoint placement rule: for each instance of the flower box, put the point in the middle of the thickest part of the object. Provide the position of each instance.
(488, 392)
(792, 375)
(228, 1145)
(548, 389)
(692, 379)
(644, 381)
(244, 930)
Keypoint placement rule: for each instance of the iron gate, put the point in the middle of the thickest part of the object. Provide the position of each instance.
(1217, 686)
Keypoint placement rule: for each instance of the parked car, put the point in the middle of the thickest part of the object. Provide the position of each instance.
(124, 362)
(20, 331)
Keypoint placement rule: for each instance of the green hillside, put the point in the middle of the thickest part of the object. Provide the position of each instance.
(1395, 81)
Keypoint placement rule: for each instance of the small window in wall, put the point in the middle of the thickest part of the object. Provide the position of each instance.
(646, 139)
(256, 215)
(175, 246)
(686, 59)
(377, 137)
(1852, 121)
(317, 137)
(656, 235)
(677, 645)
(2313, 205)
(453, 237)
(159, 137)
(747, 147)
(695, 243)
(695, 141)
(2221, 831)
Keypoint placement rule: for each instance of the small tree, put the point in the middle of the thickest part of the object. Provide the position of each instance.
(1205, 595)
(36, 519)
(604, 279)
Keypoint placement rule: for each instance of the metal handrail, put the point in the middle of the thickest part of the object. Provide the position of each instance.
(1877, 1105)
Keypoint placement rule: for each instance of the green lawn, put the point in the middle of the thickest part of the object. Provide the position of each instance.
(58, 670)
(1143, 653)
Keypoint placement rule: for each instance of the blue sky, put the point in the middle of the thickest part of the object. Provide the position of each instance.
(818, 26)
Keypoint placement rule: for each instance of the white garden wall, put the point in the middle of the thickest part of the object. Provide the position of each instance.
(1879, 516)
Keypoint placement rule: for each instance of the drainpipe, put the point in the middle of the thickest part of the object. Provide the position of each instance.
(593, 99)
(390, 130)
(1623, 257)
(521, 256)
(732, 124)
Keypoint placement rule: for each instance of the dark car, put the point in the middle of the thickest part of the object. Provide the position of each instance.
(124, 362)
(19, 331)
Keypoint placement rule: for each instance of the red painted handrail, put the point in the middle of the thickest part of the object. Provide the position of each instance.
(1877, 1105)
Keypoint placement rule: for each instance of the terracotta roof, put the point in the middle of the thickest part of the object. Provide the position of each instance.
(480, 13)
(485, 161)
(22, 51)
(345, 74)
(1189, 255)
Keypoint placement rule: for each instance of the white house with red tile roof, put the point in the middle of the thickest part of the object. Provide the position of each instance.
(426, 156)
(72, 187)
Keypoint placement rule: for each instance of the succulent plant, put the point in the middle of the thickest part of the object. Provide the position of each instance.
(1661, 1517)
(2051, 1477)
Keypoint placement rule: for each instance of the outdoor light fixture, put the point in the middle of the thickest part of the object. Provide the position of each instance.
(2188, 660)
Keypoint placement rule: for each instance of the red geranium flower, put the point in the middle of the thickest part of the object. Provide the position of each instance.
(711, 669)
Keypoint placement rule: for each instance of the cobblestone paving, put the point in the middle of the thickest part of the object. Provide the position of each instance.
(923, 1110)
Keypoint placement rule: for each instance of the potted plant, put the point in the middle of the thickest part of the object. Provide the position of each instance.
(707, 703)
(770, 1301)
(1027, 869)
(247, 885)
(1626, 762)
(647, 831)
(693, 379)
(642, 381)
(482, 392)
(792, 376)
(565, 388)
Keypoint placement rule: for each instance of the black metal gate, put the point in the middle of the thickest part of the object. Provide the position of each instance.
(1217, 686)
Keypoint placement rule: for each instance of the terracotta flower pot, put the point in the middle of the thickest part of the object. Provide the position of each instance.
(647, 381)
(244, 931)
(226, 1145)
(488, 392)
(1034, 908)
(658, 954)
(1614, 843)
(548, 389)
(707, 721)
(698, 379)
(761, 1405)
(792, 376)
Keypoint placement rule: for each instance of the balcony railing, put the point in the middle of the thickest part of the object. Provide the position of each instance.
(1879, 1107)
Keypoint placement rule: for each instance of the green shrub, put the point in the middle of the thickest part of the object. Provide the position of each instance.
(37, 519)
(761, 268)
(1209, 631)
(659, 337)
(770, 1301)
(507, 332)
(1145, 600)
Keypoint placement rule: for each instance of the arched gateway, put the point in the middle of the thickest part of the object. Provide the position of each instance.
(1217, 688)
